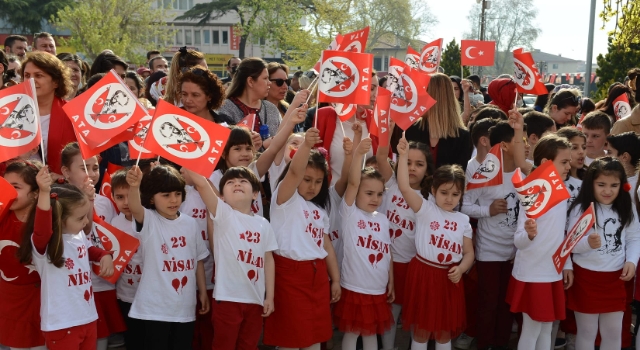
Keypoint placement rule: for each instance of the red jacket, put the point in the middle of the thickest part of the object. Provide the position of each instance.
(60, 134)
(328, 121)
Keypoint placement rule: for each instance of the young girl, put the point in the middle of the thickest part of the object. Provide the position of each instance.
(434, 304)
(605, 257)
(173, 259)
(367, 274)
(20, 284)
(110, 320)
(302, 317)
(578, 150)
(61, 253)
(402, 220)
(536, 288)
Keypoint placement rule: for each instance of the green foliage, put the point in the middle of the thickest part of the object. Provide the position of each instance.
(27, 16)
(127, 27)
(615, 64)
(450, 60)
(626, 16)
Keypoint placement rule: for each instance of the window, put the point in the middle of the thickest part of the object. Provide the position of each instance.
(385, 63)
(196, 37)
(216, 37)
(555, 66)
(179, 37)
(167, 4)
(187, 37)
(190, 5)
(183, 4)
(225, 37)
(207, 37)
(377, 63)
(263, 41)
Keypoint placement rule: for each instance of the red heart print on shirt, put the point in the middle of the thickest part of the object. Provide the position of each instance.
(176, 284)
(443, 259)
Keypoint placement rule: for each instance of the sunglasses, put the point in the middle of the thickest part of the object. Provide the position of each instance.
(280, 82)
(573, 98)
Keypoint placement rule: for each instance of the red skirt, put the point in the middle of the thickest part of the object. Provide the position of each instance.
(542, 301)
(596, 292)
(399, 280)
(362, 314)
(110, 318)
(20, 315)
(302, 315)
(432, 303)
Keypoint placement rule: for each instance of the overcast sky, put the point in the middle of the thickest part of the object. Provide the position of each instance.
(564, 24)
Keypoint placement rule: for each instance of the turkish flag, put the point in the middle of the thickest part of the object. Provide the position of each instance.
(477, 53)
(430, 56)
(345, 111)
(582, 226)
(355, 41)
(381, 115)
(526, 74)
(139, 134)
(332, 47)
(412, 58)
(120, 244)
(8, 194)
(248, 122)
(105, 187)
(489, 173)
(409, 97)
(345, 77)
(104, 111)
(621, 106)
(19, 120)
(541, 190)
(186, 139)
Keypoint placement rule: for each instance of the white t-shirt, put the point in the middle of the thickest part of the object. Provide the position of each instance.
(534, 258)
(335, 224)
(300, 227)
(45, 120)
(195, 207)
(127, 284)
(367, 251)
(104, 208)
(440, 233)
(494, 241)
(337, 152)
(573, 186)
(172, 249)
(240, 244)
(402, 222)
(472, 166)
(619, 244)
(633, 181)
(256, 207)
(274, 173)
(66, 295)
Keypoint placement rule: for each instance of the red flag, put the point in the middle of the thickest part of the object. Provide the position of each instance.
(409, 98)
(122, 246)
(593, 77)
(332, 47)
(430, 56)
(381, 115)
(582, 226)
(567, 76)
(89, 151)
(552, 79)
(541, 190)
(345, 77)
(139, 134)
(186, 139)
(489, 173)
(344, 111)
(104, 111)
(248, 122)
(477, 53)
(526, 74)
(19, 120)
(355, 41)
(578, 76)
(621, 107)
(105, 187)
(412, 58)
(8, 194)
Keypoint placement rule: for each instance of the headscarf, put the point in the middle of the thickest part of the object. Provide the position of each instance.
(503, 93)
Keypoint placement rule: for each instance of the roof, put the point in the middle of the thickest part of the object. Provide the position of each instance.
(539, 56)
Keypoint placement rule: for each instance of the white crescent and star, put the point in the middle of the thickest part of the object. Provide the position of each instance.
(99, 101)
(5, 243)
(5, 111)
(467, 52)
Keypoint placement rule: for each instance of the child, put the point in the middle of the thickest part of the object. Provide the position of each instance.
(302, 316)
(284, 157)
(596, 126)
(110, 320)
(61, 253)
(20, 284)
(626, 147)
(578, 149)
(173, 259)
(536, 289)
(480, 139)
(367, 273)
(242, 244)
(605, 257)
(538, 125)
(129, 280)
(434, 303)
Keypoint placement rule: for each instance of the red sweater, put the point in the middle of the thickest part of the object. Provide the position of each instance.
(60, 134)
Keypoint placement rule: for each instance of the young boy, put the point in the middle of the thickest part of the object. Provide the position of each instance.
(626, 147)
(596, 126)
(244, 266)
(538, 125)
(127, 284)
(480, 139)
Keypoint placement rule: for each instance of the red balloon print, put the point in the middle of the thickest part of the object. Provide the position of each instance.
(176, 284)
(251, 274)
(184, 281)
(379, 257)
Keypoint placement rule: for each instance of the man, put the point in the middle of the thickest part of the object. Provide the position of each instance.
(295, 81)
(158, 63)
(232, 66)
(475, 80)
(44, 42)
(152, 54)
(17, 45)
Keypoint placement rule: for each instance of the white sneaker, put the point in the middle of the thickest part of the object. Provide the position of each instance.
(571, 341)
(463, 342)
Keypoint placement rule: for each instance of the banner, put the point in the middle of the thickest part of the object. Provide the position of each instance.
(120, 244)
(409, 98)
(542, 190)
(19, 120)
(345, 77)
(381, 115)
(105, 186)
(621, 106)
(430, 56)
(477, 53)
(8, 194)
(582, 226)
(355, 41)
(412, 58)
(139, 134)
(489, 173)
(526, 74)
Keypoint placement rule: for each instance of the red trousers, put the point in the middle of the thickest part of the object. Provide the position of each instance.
(494, 318)
(82, 337)
(236, 325)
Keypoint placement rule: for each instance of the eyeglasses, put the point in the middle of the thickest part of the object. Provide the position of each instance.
(280, 82)
(573, 98)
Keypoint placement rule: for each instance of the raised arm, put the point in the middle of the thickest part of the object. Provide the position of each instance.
(347, 146)
(381, 157)
(517, 123)
(355, 172)
(410, 196)
(134, 178)
(42, 231)
(467, 88)
(205, 190)
(297, 167)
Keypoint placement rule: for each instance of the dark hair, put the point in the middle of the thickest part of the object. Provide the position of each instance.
(597, 120)
(5, 64)
(68, 198)
(238, 136)
(488, 111)
(425, 184)
(154, 77)
(569, 132)
(383, 80)
(541, 100)
(614, 92)
(474, 79)
(371, 161)
(161, 179)
(43, 35)
(107, 61)
(153, 59)
(456, 79)
(626, 142)
(316, 161)
(92, 81)
(563, 98)
(501, 132)
(27, 170)
(587, 106)
(232, 58)
(451, 173)
(605, 166)
(51, 65)
(548, 147)
(8, 42)
(137, 80)
(119, 180)
(251, 67)
(371, 173)
(538, 123)
(240, 172)
(150, 53)
(298, 74)
(481, 128)
(70, 151)
(208, 82)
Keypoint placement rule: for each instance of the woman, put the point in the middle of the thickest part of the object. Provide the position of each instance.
(279, 78)
(563, 106)
(249, 87)
(5, 74)
(182, 60)
(74, 63)
(201, 93)
(53, 85)
(136, 85)
(441, 126)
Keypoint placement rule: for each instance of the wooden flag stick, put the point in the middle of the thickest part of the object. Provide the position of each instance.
(86, 170)
(342, 127)
(311, 88)
(315, 122)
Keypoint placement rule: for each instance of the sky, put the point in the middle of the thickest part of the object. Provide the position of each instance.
(564, 24)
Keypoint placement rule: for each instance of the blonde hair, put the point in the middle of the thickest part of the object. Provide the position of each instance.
(444, 117)
(181, 62)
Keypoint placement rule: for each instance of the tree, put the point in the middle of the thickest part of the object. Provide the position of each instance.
(450, 60)
(627, 21)
(27, 16)
(613, 66)
(127, 27)
(511, 24)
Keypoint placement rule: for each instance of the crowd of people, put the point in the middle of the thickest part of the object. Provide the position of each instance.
(310, 224)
